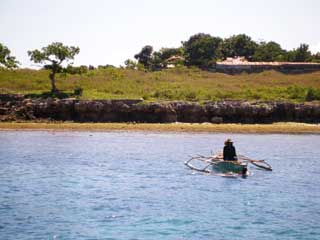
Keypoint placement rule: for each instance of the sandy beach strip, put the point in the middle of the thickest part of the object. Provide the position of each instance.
(294, 128)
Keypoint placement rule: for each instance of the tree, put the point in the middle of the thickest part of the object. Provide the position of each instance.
(145, 56)
(301, 54)
(201, 49)
(269, 52)
(316, 57)
(6, 59)
(238, 46)
(54, 54)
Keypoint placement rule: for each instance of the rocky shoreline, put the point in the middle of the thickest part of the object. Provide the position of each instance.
(18, 107)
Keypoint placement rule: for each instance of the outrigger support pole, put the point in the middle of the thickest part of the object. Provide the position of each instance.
(258, 163)
(187, 163)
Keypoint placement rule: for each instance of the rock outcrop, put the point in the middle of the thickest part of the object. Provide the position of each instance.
(16, 107)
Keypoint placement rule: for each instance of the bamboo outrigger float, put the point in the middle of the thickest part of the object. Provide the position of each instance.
(216, 165)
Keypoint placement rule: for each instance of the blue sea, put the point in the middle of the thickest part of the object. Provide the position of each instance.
(134, 185)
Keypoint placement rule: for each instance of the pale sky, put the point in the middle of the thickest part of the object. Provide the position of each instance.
(109, 31)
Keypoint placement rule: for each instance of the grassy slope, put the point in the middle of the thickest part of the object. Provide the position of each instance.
(171, 84)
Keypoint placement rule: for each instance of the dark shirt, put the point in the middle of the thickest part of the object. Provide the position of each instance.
(229, 153)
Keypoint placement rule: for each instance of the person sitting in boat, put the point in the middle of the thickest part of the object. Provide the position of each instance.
(229, 151)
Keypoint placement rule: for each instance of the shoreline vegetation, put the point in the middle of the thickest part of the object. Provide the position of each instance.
(275, 128)
(177, 84)
(181, 83)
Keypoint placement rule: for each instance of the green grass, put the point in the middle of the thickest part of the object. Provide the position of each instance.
(171, 84)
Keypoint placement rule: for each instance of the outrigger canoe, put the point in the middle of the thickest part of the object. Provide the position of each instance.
(216, 165)
(230, 167)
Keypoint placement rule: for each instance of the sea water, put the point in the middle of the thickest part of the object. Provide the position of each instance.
(131, 185)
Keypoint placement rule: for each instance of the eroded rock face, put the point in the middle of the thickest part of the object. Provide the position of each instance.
(190, 112)
(11, 97)
(153, 113)
(19, 108)
(54, 109)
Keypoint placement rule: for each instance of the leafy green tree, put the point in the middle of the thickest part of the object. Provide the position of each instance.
(6, 59)
(201, 49)
(239, 45)
(301, 54)
(269, 52)
(316, 57)
(144, 57)
(54, 54)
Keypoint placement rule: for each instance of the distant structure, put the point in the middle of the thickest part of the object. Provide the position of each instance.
(172, 61)
(240, 64)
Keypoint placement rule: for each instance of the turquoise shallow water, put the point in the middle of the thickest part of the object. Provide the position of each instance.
(82, 185)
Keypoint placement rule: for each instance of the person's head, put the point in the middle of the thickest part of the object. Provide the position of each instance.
(228, 142)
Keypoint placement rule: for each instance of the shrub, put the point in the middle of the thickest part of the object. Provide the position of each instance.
(118, 92)
(312, 94)
(76, 70)
(164, 94)
(78, 91)
(146, 96)
(295, 92)
(191, 95)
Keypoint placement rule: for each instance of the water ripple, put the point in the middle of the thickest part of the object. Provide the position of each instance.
(80, 185)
